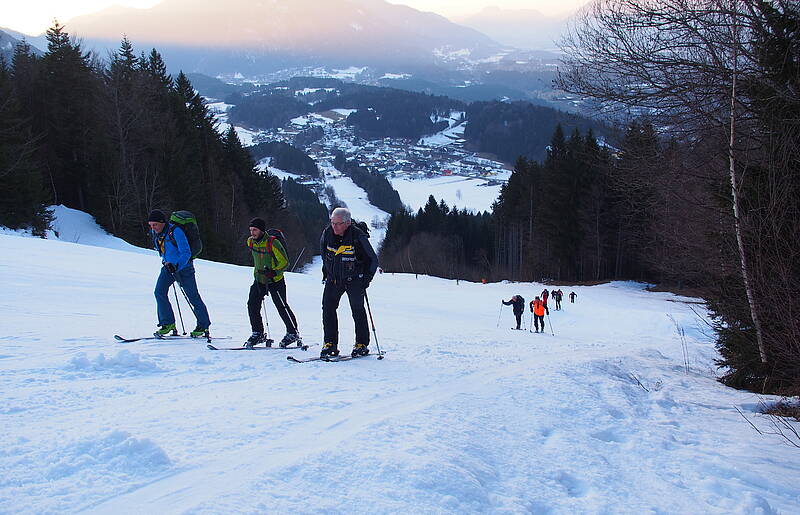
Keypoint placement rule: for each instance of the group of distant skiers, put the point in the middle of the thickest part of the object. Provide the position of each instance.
(538, 306)
(349, 264)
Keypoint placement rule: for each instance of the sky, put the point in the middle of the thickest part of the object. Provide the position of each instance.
(35, 16)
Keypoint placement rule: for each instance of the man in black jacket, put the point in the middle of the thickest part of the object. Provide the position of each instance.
(348, 265)
(519, 307)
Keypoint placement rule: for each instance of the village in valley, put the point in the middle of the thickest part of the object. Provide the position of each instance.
(321, 135)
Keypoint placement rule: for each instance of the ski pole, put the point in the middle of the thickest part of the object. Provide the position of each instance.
(289, 313)
(184, 295)
(531, 326)
(180, 315)
(499, 314)
(266, 320)
(377, 345)
(298, 259)
(551, 325)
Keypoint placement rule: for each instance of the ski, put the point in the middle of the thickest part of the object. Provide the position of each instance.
(332, 359)
(295, 360)
(301, 347)
(167, 338)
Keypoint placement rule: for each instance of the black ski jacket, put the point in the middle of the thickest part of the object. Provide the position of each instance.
(347, 257)
(518, 303)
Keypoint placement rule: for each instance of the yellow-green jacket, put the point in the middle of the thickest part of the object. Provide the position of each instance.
(269, 258)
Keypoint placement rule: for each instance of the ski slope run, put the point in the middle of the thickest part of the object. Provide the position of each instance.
(463, 416)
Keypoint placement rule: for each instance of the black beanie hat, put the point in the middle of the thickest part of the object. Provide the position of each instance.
(258, 223)
(157, 215)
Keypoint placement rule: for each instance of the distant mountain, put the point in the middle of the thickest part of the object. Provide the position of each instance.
(9, 40)
(521, 28)
(250, 37)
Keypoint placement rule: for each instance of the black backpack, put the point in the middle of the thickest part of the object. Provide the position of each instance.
(187, 222)
(277, 233)
(363, 226)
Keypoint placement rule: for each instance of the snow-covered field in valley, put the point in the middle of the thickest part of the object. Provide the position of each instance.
(463, 416)
(462, 192)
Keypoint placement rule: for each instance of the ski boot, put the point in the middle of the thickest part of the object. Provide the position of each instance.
(329, 350)
(166, 330)
(256, 338)
(200, 332)
(289, 339)
(360, 349)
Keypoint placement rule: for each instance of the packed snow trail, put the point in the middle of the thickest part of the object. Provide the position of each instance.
(461, 417)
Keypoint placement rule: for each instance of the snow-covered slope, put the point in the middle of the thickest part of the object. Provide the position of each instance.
(463, 416)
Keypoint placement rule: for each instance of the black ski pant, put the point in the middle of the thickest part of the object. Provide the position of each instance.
(278, 291)
(330, 303)
(519, 318)
(536, 320)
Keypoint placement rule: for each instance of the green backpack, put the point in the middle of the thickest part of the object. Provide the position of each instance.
(187, 222)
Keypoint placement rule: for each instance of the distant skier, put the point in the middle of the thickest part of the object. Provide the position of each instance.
(572, 296)
(519, 307)
(269, 262)
(545, 295)
(177, 265)
(348, 265)
(538, 309)
(557, 296)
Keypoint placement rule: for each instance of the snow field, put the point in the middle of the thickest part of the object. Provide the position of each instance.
(464, 192)
(463, 416)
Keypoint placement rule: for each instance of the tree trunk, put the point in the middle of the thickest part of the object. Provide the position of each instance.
(736, 217)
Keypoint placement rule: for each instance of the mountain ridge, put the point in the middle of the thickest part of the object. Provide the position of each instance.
(244, 36)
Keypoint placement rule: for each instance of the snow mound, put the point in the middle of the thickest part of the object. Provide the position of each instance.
(72, 473)
(116, 452)
(75, 226)
(125, 363)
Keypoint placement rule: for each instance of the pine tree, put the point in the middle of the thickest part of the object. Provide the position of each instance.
(22, 195)
(67, 87)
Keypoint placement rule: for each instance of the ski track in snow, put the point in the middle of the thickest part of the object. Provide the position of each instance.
(463, 416)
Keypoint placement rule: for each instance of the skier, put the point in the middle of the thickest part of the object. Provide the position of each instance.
(269, 262)
(557, 296)
(177, 265)
(572, 296)
(519, 307)
(538, 309)
(348, 265)
(545, 294)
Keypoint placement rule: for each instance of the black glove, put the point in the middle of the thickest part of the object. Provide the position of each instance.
(367, 281)
(170, 268)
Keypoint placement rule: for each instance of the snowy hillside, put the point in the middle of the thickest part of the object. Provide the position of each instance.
(463, 416)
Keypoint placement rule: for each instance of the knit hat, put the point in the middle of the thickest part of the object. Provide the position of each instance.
(258, 223)
(157, 215)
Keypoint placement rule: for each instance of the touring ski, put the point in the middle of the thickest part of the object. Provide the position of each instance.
(332, 359)
(301, 347)
(170, 337)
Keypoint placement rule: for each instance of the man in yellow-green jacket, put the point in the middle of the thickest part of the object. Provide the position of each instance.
(270, 261)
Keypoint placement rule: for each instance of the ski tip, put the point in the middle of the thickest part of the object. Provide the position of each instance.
(211, 347)
(118, 337)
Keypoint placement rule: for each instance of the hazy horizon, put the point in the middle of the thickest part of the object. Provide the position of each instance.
(33, 18)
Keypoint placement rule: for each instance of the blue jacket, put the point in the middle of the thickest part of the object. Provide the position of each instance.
(172, 246)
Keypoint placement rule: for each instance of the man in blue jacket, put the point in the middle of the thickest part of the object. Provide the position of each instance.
(176, 258)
